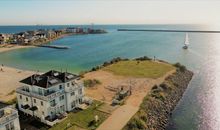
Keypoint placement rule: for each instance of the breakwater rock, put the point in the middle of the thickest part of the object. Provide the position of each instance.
(158, 105)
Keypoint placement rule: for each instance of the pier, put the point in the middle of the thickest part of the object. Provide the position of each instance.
(160, 30)
(53, 46)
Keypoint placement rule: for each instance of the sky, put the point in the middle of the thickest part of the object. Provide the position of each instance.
(61, 12)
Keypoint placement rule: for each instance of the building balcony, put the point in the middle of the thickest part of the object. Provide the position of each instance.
(47, 97)
(74, 87)
(9, 114)
(54, 120)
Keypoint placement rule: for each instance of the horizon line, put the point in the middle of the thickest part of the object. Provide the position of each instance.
(171, 30)
(102, 24)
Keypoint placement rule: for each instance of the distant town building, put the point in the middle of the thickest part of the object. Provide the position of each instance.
(58, 32)
(9, 119)
(50, 34)
(5, 38)
(49, 96)
(43, 35)
(2, 39)
(71, 30)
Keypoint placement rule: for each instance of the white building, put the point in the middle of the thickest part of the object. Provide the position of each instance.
(48, 96)
(4, 38)
(9, 119)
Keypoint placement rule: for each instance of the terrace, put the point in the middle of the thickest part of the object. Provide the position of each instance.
(49, 96)
(7, 114)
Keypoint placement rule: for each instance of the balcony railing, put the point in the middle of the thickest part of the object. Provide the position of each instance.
(75, 87)
(55, 94)
(8, 118)
(46, 98)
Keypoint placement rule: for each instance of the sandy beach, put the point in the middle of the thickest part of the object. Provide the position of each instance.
(9, 81)
(4, 48)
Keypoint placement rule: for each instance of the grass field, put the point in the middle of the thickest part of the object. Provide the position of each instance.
(82, 118)
(141, 69)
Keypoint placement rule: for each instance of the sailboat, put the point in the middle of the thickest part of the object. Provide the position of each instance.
(186, 42)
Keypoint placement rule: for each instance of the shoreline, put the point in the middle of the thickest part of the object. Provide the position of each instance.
(157, 107)
(10, 47)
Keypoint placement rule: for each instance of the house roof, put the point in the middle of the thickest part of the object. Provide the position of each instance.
(49, 79)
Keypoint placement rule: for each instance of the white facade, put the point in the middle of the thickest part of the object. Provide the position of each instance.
(9, 119)
(48, 103)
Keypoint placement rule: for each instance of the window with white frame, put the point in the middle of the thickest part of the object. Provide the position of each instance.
(61, 97)
(72, 94)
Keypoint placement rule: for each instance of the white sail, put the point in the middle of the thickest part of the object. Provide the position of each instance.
(186, 39)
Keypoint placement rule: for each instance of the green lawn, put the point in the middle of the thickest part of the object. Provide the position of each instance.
(82, 118)
(132, 68)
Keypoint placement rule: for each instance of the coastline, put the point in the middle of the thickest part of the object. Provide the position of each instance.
(10, 47)
(157, 106)
(6, 48)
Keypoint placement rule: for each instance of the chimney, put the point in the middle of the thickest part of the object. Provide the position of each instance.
(32, 80)
(47, 81)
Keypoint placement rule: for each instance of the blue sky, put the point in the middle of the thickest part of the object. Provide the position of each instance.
(28, 12)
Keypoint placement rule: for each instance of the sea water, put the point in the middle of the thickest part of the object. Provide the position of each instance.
(200, 106)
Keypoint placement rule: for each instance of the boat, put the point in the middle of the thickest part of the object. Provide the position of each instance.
(186, 44)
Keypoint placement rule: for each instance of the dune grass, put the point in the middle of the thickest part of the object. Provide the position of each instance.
(139, 69)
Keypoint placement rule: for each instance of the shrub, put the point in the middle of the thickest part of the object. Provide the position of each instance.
(12, 101)
(164, 86)
(136, 123)
(95, 68)
(158, 95)
(143, 58)
(106, 64)
(177, 65)
(92, 123)
(142, 115)
(115, 60)
(180, 67)
(154, 87)
(91, 82)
